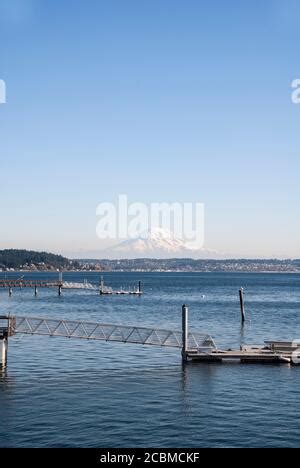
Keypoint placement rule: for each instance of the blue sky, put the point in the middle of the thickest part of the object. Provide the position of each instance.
(163, 101)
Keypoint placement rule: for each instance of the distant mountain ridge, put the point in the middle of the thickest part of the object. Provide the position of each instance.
(159, 243)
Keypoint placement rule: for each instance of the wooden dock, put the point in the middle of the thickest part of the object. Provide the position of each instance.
(249, 355)
(14, 283)
(272, 352)
(120, 292)
(107, 291)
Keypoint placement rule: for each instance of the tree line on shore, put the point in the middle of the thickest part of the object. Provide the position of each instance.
(13, 258)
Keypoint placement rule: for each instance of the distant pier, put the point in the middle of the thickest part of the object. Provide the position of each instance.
(107, 291)
(21, 283)
(61, 285)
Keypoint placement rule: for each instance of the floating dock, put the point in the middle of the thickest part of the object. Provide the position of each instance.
(272, 352)
(21, 283)
(107, 291)
(121, 292)
(247, 355)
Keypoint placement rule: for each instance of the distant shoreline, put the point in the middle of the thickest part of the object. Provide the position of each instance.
(103, 272)
(24, 262)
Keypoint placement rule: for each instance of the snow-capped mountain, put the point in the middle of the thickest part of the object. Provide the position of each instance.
(158, 243)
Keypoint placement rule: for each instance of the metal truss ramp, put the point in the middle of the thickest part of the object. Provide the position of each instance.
(106, 332)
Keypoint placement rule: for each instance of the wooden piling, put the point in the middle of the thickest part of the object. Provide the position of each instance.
(242, 303)
(185, 332)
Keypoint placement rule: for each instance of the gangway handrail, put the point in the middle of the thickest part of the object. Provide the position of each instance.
(108, 332)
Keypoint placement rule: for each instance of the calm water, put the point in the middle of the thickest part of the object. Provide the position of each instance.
(61, 392)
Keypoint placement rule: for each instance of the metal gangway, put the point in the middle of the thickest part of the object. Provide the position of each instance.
(196, 347)
(79, 329)
(107, 332)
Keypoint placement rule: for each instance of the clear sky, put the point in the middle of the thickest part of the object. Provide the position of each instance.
(163, 100)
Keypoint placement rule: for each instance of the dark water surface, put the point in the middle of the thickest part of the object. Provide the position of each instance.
(63, 392)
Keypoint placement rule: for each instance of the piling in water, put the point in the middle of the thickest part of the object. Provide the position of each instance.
(242, 303)
(185, 332)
